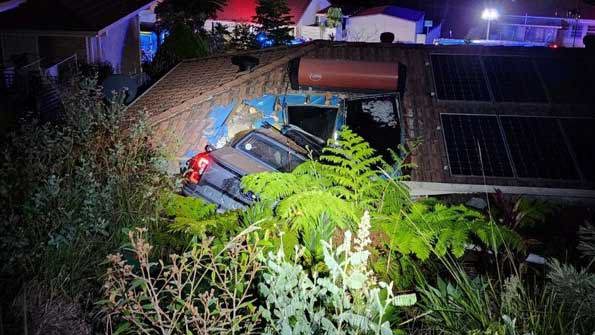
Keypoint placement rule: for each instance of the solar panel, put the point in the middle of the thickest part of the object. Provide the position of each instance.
(462, 134)
(537, 148)
(459, 77)
(568, 81)
(579, 133)
(514, 79)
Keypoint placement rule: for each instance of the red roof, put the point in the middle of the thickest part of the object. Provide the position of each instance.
(244, 10)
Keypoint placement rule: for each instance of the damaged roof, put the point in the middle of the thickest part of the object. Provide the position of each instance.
(179, 103)
(195, 78)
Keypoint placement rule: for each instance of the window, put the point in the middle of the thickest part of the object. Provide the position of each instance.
(270, 153)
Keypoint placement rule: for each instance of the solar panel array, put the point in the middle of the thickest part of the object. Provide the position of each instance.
(522, 147)
(568, 81)
(513, 79)
(537, 148)
(579, 133)
(475, 145)
(459, 78)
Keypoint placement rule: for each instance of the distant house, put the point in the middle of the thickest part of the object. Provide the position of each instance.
(303, 13)
(559, 31)
(92, 31)
(366, 25)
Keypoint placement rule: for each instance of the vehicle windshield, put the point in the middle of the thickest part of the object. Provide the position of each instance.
(270, 153)
(318, 121)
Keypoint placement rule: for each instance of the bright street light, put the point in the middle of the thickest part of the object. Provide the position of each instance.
(489, 14)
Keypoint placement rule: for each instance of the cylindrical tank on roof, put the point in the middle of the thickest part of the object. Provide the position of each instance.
(348, 74)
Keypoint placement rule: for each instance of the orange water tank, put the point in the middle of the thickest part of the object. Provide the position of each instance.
(348, 74)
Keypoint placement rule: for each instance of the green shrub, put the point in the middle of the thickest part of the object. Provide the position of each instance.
(70, 188)
(345, 300)
(198, 292)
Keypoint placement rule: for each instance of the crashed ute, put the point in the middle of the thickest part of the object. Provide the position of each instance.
(215, 174)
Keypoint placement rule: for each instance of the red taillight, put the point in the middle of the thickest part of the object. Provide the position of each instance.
(196, 167)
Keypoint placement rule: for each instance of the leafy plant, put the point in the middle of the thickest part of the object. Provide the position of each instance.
(519, 212)
(586, 243)
(197, 292)
(346, 300)
(70, 188)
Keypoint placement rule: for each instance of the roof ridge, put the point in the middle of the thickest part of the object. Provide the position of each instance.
(247, 52)
(181, 107)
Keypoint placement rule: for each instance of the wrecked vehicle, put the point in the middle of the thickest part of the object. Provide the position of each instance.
(215, 175)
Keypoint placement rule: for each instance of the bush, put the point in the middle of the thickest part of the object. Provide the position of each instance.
(70, 189)
(345, 300)
(197, 292)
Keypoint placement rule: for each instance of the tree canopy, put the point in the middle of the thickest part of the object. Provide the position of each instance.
(192, 13)
(274, 20)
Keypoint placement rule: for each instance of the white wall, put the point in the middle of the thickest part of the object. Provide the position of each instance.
(119, 45)
(313, 33)
(368, 28)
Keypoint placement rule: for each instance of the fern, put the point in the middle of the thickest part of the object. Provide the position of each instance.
(434, 227)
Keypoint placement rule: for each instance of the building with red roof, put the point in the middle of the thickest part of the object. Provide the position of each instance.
(303, 13)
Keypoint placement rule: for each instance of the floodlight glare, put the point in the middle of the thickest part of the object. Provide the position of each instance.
(490, 14)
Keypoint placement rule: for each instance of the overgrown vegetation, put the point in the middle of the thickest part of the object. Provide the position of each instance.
(68, 191)
(336, 246)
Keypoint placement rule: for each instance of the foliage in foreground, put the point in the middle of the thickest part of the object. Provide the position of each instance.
(71, 187)
(197, 292)
(347, 299)
(318, 197)
(68, 190)
(563, 304)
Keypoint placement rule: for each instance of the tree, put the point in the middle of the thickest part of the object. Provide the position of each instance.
(242, 37)
(182, 43)
(218, 38)
(192, 13)
(274, 20)
(334, 16)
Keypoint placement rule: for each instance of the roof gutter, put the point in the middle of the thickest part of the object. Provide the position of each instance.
(77, 32)
(419, 189)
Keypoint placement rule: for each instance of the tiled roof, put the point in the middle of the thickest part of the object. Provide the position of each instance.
(68, 15)
(180, 102)
(400, 12)
(195, 78)
(245, 10)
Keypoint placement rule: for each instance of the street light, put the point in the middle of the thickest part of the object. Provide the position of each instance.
(489, 14)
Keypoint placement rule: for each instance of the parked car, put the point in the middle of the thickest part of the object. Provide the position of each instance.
(214, 175)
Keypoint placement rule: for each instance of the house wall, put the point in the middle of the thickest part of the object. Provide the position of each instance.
(119, 45)
(368, 28)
